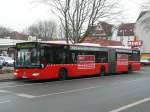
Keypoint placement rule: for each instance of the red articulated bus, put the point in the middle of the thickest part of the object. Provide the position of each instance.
(39, 60)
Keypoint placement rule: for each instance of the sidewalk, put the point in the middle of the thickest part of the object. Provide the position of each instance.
(6, 74)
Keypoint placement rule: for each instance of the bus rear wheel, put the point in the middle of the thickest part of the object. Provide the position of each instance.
(62, 74)
(102, 71)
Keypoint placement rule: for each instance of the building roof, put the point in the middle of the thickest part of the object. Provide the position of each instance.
(102, 29)
(142, 13)
(7, 43)
(126, 29)
(102, 42)
(18, 36)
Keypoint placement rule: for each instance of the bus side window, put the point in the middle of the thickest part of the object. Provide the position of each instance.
(60, 57)
(98, 57)
(135, 56)
(42, 52)
(73, 57)
(49, 56)
(63, 55)
(103, 57)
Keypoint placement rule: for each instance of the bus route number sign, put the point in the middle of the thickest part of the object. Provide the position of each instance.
(27, 45)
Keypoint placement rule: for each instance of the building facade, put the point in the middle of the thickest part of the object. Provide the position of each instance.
(6, 46)
(142, 30)
(124, 33)
(101, 34)
(101, 30)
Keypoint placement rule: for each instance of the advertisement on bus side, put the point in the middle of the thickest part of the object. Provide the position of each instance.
(122, 59)
(86, 61)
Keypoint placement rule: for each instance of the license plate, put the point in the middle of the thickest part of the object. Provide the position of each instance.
(24, 77)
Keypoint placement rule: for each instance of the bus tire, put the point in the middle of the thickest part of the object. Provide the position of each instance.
(102, 71)
(129, 69)
(62, 74)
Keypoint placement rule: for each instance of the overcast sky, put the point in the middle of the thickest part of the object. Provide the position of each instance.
(19, 14)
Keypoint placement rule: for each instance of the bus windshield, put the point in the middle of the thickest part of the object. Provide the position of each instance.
(27, 58)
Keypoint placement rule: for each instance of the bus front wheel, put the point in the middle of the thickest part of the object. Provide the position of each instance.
(62, 74)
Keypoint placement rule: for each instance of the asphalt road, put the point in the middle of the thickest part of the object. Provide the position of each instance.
(115, 93)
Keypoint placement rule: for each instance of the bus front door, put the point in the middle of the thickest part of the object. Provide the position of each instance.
(111, 61)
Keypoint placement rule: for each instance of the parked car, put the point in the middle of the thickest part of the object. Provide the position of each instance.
(6, 61)
(1, 64)
(145, 61)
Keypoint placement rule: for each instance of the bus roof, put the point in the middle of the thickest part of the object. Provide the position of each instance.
(86, 46)
(121, 47)
(89, 44)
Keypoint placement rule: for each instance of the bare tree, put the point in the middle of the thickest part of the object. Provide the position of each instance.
(77, 16)
(43, 29)
(4, 32)
(145, 5)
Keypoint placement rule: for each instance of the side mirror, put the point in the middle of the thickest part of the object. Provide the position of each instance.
(42, 65)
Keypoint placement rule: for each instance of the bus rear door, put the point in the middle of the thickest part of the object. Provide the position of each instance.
(111, 60)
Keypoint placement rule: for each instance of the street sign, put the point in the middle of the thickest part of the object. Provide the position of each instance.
(136, 43)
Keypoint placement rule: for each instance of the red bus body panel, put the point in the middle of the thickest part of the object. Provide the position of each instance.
(135, 65)
(52, 71)
(121, 68)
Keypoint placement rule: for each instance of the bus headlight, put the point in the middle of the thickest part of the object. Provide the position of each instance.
(35, 74)
(15, 73)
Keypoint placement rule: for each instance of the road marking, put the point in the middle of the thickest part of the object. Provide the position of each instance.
(15, 86)
(58, 82)
(130, 81)
(25, 95)
(65, 92)
(20, 85)
(73, 91)
(130, 105)
(56, 93)
(143, 72)
(4, 91)
(6, 101)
